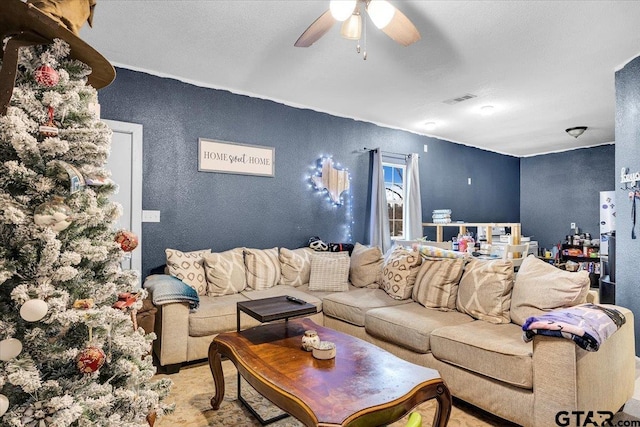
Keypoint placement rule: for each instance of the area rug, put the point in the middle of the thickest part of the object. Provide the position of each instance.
(193, 388)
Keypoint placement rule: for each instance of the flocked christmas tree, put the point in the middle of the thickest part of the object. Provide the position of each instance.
(67, 357)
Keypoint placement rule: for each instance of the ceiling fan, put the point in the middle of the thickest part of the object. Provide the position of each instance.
(383, 14)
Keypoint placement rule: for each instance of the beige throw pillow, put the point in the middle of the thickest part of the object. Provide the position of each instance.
(485, 290)
(541, 287)
(329, 272)
(366, 266)
(437, 283)
(262, 268)
(225, 272)
(400, 271)
(188, 267)
(295, 266)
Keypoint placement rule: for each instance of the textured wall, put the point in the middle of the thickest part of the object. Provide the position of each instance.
(221, 211)
(627, 156)
(560, 188)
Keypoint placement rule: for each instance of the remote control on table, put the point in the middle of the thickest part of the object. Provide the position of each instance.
(296, 300)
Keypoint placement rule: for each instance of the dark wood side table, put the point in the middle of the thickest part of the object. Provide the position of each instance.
(269, 310)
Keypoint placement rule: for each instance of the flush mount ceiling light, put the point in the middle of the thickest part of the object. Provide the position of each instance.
(383, 14)
(487, 110)
(576, 131)
(430, 125)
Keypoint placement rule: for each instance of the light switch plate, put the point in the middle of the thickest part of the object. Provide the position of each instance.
(150, 216)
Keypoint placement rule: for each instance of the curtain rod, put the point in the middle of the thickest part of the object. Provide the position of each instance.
(389, 153)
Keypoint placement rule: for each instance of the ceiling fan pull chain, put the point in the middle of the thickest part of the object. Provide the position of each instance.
(364, 55)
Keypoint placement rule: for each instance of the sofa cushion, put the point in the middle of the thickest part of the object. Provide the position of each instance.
(437, 283)
(541, 287)
(351, 306)
(410, 325)
(485, 290)
(216, 315)
(399, 272)
(188, 267)
(321, 294)
(329, 272)
(496, 351)
(282, 290)
(225, 272)
(262, 267)
(365, 270)
(295, 266)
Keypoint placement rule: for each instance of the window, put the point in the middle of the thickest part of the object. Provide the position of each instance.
(394, 185)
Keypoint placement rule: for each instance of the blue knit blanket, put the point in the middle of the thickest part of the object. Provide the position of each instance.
(587, 325)
(166, 289)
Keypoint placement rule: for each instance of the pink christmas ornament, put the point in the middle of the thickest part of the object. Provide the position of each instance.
(128, 240)
(46, 76)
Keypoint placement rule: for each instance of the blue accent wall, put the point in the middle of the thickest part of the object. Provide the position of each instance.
(627, 156)
(202, 210)
(560, 188)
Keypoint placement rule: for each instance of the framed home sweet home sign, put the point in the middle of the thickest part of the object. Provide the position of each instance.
(231, 157)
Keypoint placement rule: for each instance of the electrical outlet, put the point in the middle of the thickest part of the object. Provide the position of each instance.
(573, 225)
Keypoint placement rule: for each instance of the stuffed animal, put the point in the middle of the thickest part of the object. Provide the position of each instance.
(70, 13)
(317, 244)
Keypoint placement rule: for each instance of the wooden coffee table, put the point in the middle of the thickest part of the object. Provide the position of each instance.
(363, 385)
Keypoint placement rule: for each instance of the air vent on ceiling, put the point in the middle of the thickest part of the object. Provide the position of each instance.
(459, 99)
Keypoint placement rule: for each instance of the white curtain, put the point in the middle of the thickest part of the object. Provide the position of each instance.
(413, 203)
(379, 234)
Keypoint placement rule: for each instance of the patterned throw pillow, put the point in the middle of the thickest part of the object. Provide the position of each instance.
(541, 287)
(436, 252)
(329, 272)
(485, 290)
(262, 268)
(365, 270)
(399, 272)
(295, 265)
(188, 267)
(437, 283)
(225, 272)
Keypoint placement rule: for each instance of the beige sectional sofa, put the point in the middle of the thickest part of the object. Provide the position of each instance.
(460, 317)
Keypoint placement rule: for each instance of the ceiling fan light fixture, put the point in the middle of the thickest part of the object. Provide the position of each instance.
(341, 10)
(576, 131)
(381, 12)
(352, 27)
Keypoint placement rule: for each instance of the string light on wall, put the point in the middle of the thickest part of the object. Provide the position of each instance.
(335, 181)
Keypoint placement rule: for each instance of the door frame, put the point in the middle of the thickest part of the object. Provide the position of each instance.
(135, 130)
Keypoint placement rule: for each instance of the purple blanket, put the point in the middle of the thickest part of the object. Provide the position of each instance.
(588, 325)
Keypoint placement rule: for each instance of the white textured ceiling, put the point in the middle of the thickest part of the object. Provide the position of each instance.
(544, 65)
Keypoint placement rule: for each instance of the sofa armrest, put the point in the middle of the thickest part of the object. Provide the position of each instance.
(568, 378)
(593, 297)
(172, 330)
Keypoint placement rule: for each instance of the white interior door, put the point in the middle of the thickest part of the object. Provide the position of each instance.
(125, 163)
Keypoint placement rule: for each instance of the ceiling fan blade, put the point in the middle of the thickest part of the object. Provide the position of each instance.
(401, 29)
(316, 30)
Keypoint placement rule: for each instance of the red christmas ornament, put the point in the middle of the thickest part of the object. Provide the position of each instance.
(128, 241)
(90, 360)
(46, 76)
